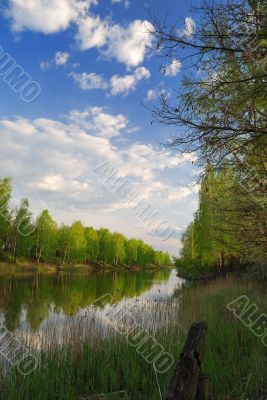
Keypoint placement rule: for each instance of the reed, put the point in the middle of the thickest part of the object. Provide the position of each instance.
(85, 355)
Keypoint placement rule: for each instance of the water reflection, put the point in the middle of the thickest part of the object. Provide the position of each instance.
(28, 300)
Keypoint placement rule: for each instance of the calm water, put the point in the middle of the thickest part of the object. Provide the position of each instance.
(28, 302)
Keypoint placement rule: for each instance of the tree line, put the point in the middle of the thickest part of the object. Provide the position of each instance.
(228, 231)
(42, 240)
(221, 113)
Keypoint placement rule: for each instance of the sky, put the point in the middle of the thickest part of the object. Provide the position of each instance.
(90, 79)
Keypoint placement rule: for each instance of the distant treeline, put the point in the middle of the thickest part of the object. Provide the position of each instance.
(42, 240)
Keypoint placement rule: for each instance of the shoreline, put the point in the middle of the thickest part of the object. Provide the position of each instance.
(30, 266)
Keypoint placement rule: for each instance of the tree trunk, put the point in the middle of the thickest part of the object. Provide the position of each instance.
(15, 252)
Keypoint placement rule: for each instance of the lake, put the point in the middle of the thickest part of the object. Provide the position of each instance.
(31, 303)
(95, 334)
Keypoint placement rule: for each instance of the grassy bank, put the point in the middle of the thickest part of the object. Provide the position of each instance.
(93, 363)
(23, 267)
(235, 358)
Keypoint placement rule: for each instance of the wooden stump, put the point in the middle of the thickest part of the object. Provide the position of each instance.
(187, 383)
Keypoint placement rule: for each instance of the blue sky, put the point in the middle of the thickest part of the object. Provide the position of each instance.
(92, 63)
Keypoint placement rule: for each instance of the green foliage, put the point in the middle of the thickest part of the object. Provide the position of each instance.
(44, 241)
(220, 239)
(145, 254)
(131, 251)
(5, 196)
(222, 110)
(63, 243)
(21, 227)
(162, 258)
(45, 237)
(92, 244)
(78, 243)
(106, 246)
(119, 244)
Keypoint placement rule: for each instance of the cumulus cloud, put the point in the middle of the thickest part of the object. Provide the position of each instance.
(149, 160)
(117, 84)
(190, 26)
(46, 16)
(152, 94)
(155, 94)
(88, 131)
(178, 194)
(173, 68)
(61, 57)
(127, 83)
(92, 32)
(90, 81)
(128, 45)
(65, 151)
(96, 121)
(70, 147)
(107, 125)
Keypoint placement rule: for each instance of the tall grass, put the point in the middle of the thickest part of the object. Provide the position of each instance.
(235, 359)
(86, 356)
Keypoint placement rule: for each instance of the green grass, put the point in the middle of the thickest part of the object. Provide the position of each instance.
(235, 359)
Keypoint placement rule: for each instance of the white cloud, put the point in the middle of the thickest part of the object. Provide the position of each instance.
(148, 160)
(92, 32)
(61, 57)
(117, 84)
(127, 83)
(152, 94)
(70, 147)
(127, 45)
(190, 27)
(155, 94)
(178, 194)
(96, 121)
(47, 16)
(90, 81)
(64, 152)
(53, 183)
(125, 2)
(130, 45)
(133, 130)
(107, 125)
(173, 68)
(44, 139)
